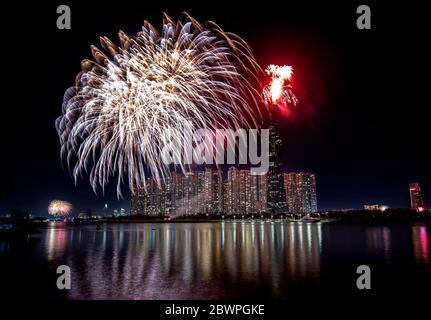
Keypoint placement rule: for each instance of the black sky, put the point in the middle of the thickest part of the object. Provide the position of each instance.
(362, 128)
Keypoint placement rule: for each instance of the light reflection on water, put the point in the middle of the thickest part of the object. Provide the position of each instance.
(217, 260)
(185, 260)
(421, 240)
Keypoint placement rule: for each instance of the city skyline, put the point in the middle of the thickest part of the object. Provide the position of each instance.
(208, 192)
(417, 199)
(215, 159)
(353, 140)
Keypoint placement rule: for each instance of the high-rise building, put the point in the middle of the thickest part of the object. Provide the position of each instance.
(213, 190)
(148, 201)
(276, 195)
(176, 190)
(180, 194)
(187, 194)
(300, 192)
(244, 193)
(292, 194)
(203, 192)
(231, 205)
(189, 197)
(259, 190)
(417, 197)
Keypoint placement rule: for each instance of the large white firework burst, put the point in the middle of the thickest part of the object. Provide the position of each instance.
(188, 76)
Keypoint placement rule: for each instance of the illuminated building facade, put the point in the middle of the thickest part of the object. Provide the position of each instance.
(417, 197)
(244, 193)
(203, 192)
(259, 193)
(371, 207)
(301, 192)
(276, 194)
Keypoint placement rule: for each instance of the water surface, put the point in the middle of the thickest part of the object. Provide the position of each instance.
(264, 260)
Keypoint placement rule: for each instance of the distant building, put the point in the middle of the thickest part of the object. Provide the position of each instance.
(372, 207)
(417, 197)
(119, 212)
(17, 214)
(300, 192)
(342, 210)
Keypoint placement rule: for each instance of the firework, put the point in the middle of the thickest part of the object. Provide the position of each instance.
(188, 76)
(59, 208)
(280, 92)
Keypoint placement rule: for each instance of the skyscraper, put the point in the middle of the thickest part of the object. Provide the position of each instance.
(202, 192)
(276, 196)
(259, 193)
(301, 192)
(152, 200)
(231, 205)
(292, 194)
(213, 189)
(417, 197)
(244, 193)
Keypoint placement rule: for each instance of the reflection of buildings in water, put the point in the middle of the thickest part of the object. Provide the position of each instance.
(117, 263)
(420, 239)
(304, 250)
(259, 252)
(379, 241)
(193, 260)
(4, 247)
(55, 241)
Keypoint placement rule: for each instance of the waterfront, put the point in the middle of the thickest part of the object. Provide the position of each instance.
(216, 260)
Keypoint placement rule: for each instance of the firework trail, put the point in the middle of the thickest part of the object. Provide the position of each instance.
(59, 208)
(116, 118)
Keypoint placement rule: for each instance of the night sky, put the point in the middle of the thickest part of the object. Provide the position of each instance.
(361, 128)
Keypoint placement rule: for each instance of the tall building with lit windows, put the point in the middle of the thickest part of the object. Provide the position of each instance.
(157, 199)
(203, 192)
(300, 192)
(292, 195)
(276, 193)
(213, 189)
(244, 193)
(231, 205)
(152, 200)
(417, 197)
(259, 192)
(136, 202)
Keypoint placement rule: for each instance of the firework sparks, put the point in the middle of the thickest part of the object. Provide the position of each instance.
(279, 92)
(59, 208)
(186, 77)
